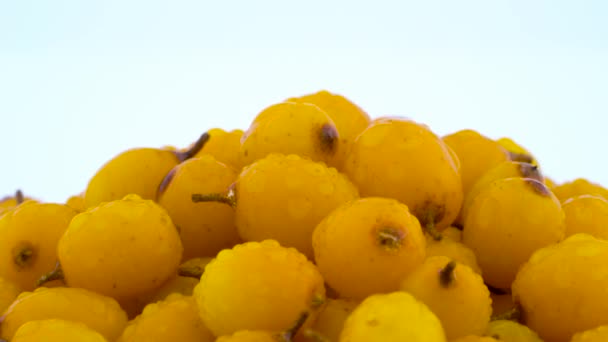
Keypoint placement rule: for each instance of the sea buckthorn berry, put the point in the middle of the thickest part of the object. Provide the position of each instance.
(599, 334)
(511, 331)
(455, 294)
(98, 312)
(456, 251)
(508, 220)
(586, 214)
(205, 229)
(350, 120)
(224, 146)
(135, 171)
(8, 293)
(577, 187)
(56, 330)
(29, 235)
(284, 197)
(516, 151)
(258, 286)
(121, 248)
(561, 290)
(396, 316)
(330, 320)
(401, 159)
(292, 128)
(378, 235)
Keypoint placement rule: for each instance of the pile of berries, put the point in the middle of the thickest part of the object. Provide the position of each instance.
(317, 223)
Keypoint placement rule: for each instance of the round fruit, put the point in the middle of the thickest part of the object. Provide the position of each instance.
(561, 290)
(284, 197)
(455, 294)
(516, 151)
(174, 319)
(599, 334)
(395, 316)
(120, 249)
(577, 187)
(350, 120)
(456, 251)
(205, 229)
(475, 338)
(507, 221)
(257, 286)
(8, 293)
(291, 128)
(586, 214)
(29, 235)
(404, 160)
(330, 320)
(224, 146)
(100, 313)
(378, 235)
(477, 155)
(56, 330)
(136, 171)
(510, 331)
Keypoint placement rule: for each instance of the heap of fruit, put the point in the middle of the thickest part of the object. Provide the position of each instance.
(315, 224)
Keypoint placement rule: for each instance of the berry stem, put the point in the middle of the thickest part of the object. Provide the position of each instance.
(430, 229)
(192, 272)
(19, 198)
(55, 274)
(291, 332)
(315, 336)
(446, 275)
(192, 151)
(220, 198)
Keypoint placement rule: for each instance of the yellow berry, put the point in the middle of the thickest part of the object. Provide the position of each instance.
(8, 293)
(284, 197)
(510, 331)
(257, 286)
(477, 155)
(100, 313)
(599, 334)
(454, 293)
(29, 235)
(452, 233)
(56, 330)
(475, 338)
(350, 120)
(291, 128)
(77, 203)
(586, 214)
(120, 249)
(516, 151)
(550, 183)
(404, 160)
(395, 316)
(456, 251)
(561, 290)
(507, 221)
(330, 321)
(250, 336)
(224, 146)
(508, 169)
(174, 319)
(136, 171)
(577, 187)
(207, 228)
(367, 246)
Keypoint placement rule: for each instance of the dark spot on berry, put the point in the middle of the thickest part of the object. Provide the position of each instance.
(528, 170)
(538, 187)
(446, 275)
(24, 254)
(328, 138)
(521, 157)
(389, 238)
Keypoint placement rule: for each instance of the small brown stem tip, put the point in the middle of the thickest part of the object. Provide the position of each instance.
(446, 275)
(220, 198)
(196, 148)
(291, 332)
(512, 315)
(56, 274)
(19, 198)
(192, 272)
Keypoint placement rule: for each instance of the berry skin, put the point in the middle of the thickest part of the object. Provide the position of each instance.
(284, 197)
(586, 214)
(516, 151)
(257, 286)
(77, 203)
(291, 128)
(205, 229)
(378, 235)
(330, 320)
(29, 235)
(56, 330)
(136, 171)
(561, 290)
(508, 169)
(401, 159)
(350, 120)
(250, 336)
(477, 155)
(510, 331)
(599, 334)
(174, 319)
(395, 316)
(100, 313)
(224, 146)
(508, 220)
(456, 251)
(8, 294)
(577, 187)
(475, 338)
(120, 249)
(455, 294)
